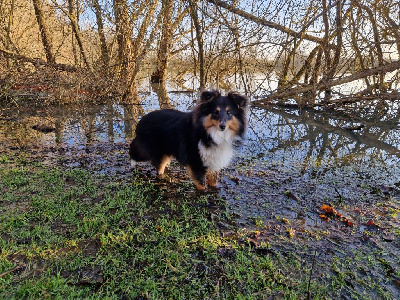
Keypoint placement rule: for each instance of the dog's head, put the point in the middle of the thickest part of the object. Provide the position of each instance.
(221, 113)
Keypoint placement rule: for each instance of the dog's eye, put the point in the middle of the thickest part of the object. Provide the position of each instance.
(216, 113)
(228, 112)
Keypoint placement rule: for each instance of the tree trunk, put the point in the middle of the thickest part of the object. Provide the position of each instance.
(325, 47)
(124, 33)
(200, 44)
(72, 12)
(75, 27)
(160, 73)
(105, 59)
(358, 54)
(44, 33)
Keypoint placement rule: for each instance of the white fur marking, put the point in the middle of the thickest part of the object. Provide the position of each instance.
(133, 163)
(218, 155)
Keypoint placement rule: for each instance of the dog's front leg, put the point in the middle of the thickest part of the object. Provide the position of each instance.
(212, 178)
(198, 176)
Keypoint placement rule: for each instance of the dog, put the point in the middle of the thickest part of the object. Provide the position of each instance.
(203, 140)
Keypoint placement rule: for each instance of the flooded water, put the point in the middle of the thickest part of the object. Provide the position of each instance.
(289, 166)
(314, 157)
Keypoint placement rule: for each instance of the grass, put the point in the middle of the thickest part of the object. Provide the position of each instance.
(66, 233)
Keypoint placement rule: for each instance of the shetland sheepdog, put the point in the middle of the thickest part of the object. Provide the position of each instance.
(202, 140)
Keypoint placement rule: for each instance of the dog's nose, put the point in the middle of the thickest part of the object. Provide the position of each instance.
(222, 126)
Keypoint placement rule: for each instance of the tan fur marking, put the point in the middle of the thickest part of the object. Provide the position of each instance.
(233, 125)
(198, 185)
(212, 178)
(208, 122)
(164, 163)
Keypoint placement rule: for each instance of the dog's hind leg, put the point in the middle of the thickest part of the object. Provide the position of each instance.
(137, 152)
(165, 161)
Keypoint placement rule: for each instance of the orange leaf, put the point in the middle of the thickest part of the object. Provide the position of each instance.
(328, 209)
(324, 217)
(348, 223)
(370, 223)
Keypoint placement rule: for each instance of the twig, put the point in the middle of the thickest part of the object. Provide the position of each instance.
(311, 272)
(9, 271)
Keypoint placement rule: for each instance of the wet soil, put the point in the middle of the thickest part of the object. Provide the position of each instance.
(290, 167)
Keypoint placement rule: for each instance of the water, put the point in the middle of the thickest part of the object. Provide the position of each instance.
(312, 154)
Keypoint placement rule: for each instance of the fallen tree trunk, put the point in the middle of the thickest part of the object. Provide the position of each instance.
(395, 65)
(38, 61)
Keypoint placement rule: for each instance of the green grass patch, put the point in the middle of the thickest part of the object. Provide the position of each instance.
(71, 234)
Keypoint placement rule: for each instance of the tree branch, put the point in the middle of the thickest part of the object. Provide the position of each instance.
(395, 65)
(265, 22)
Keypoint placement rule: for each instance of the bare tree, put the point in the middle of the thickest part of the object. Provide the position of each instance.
(105, 57)
(44, 33)
(277, 50)
(200, 44)
(72, 16)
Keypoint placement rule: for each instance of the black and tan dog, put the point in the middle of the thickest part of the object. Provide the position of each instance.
(202, 140)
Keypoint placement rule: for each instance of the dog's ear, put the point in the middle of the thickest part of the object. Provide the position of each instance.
(209, 95)
(240, 100)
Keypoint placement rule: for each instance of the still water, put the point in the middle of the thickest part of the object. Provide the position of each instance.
(319, 157)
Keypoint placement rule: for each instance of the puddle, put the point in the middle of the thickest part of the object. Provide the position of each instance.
(311, 155)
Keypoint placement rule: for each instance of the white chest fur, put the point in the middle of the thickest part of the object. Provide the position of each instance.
(220, 153)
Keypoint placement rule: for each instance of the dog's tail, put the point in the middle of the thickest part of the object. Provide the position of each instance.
(137, 152)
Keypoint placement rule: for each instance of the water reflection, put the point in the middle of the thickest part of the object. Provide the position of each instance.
(281, 137)
(314, 155)
(306, 140)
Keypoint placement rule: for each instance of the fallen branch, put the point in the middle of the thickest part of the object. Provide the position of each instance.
(395, 65)
(9, 271)
(38, 61)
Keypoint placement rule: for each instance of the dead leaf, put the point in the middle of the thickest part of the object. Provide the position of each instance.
(324, 217)
(328, 209)
(348, 223)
